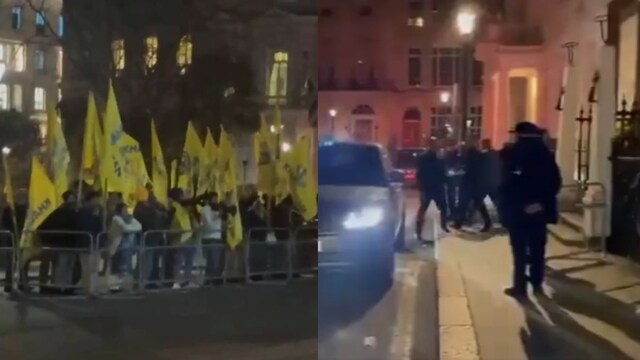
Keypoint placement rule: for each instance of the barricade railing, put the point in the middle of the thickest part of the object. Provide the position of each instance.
(268, 253)
(160, 259)
(7, 258)
(601, 206)
(57, 254)
(304, 254)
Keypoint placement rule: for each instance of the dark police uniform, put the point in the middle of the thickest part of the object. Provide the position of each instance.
(532, 178)
(432, 177)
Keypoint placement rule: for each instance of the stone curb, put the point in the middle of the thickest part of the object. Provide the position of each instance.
(457, 335)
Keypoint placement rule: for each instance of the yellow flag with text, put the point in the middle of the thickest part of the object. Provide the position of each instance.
(42, 202)
(112, 167)
(189, 166)
(57, 152)
(303, 185)
(158, 168)
(91, 143)
(208, 176)
(229, 188)
(136, 174)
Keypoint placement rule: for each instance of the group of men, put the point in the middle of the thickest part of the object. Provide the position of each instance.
(522, 181)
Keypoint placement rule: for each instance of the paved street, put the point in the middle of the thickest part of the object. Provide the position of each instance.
(364, 321)
(272, 322)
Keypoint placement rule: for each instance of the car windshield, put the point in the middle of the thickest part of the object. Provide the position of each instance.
(350, 165)
(407, 159)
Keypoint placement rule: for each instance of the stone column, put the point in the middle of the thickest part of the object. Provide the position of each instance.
(597, 221)
(566, 151)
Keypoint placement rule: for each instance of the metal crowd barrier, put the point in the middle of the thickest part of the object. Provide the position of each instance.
(305, 250)
(155, 260)
(268, 253)
(55, 265)
(581, 189)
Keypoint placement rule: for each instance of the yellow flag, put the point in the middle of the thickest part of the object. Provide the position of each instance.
(158, 168)
(8, 188)
(174, 173)
(304, 187)
(182, 222)
(208, 166)
(91, 143)
(229, 188)
(265, 158)
(136, 175)
(189, 167)
(42, 202)
(57, 152)
(112, 168)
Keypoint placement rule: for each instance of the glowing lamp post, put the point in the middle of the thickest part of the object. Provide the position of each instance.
(466, 24)
(6, 151)
(332, 114)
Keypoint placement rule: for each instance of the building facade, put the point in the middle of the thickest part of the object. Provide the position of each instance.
(389, 71)
(30, 56)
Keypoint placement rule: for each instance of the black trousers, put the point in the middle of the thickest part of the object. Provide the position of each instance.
(439, 197)
(528, 245)
(475, 200)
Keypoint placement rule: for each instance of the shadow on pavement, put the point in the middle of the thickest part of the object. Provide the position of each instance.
(264, 315)
(580, 296)
(561, 337)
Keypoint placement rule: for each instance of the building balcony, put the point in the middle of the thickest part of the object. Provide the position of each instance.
(514, 35)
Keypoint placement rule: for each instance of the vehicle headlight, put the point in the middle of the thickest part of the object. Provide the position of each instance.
(365, 218)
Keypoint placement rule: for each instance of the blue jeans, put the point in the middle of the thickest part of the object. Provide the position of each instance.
(122, 262)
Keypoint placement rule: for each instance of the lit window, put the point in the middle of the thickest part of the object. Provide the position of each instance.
(39, 99)
(38, 60)
(4, 97)
(151, 57)
(18, 53)
(117, 49)
(16, 17)
(416, 21)
(60, 25)
(16, 95)
(445, 66)
(40, 22)
(277, 86)
(185, 53)
(59, 63)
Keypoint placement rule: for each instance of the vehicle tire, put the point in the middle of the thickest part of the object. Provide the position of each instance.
(399, 243)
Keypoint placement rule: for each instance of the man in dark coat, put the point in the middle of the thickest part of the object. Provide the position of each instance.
(152, 215)
(432, 178)
(529, 192)
(54, 240)
(472, 189)
(9, 224)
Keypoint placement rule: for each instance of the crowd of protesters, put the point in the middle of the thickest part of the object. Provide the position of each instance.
(79, 240)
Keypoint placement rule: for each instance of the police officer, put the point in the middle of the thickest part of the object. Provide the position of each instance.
(432, 177)
(529, 190)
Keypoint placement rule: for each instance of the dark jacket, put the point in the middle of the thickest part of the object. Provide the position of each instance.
(432, 173)
(152, 217)
(474, 180)
(92, 222)
(7, 217)
(57, 230)
(531, 176)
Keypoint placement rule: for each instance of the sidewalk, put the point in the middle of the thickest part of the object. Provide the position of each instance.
(590, 312)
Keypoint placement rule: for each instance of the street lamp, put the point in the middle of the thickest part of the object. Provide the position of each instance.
(466, 24)
(6, 151)
(286, 147)
(445, 97)
(332, 114)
